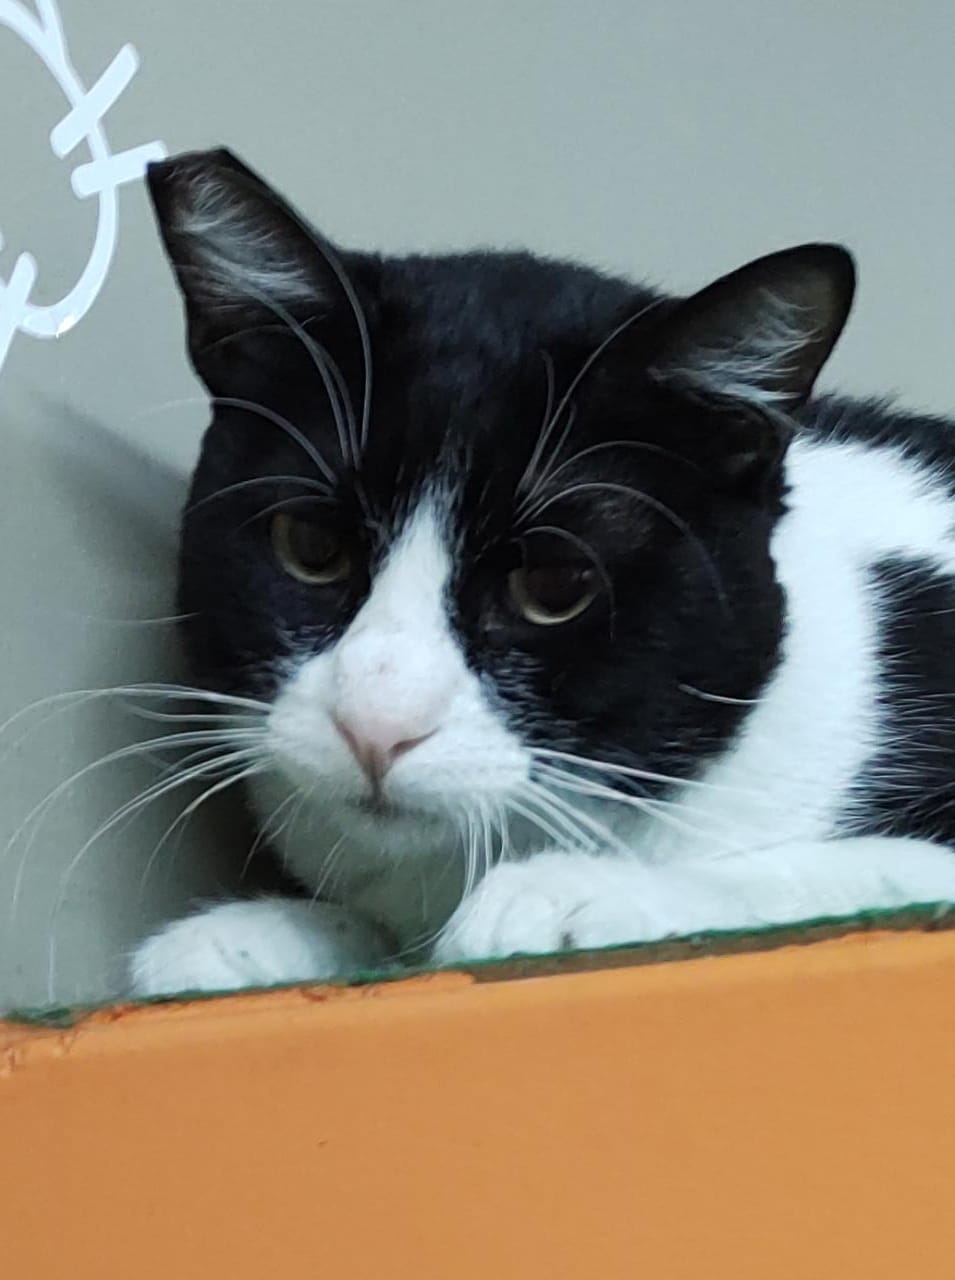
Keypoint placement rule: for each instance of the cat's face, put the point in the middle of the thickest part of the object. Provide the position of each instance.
(455, 515)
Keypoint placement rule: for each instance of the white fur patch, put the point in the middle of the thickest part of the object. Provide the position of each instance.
(234, 256)
(750, 843)
(759, 365)
(254, 944)
(783, 783)
(556, 901)
(789, 773)
(396, 674)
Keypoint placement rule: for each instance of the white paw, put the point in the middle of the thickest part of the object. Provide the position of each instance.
(551, 902)
(254, 944)
(561, 901)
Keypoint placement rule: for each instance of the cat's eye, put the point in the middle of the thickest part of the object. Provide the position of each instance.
(550, 594)
(307, 552)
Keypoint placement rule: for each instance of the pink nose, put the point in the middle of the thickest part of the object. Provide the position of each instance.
(376, 749)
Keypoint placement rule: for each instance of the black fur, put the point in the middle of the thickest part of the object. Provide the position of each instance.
(470, 354)
(918, 696)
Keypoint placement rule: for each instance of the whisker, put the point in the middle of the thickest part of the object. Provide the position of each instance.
(657, 811)
(545, 472)
(641, 446)
(341, 275)
(124, 812)
(357, 310)
(605, 836)
(272, 827)
(153, 791)
(641, 775)
(91, 619)
(332, 859)
(554, 822)
(655, 505)
(316, 352)
(487, 832)
(305, 481)
(195, 717)
(547, 423)
(251, 758)
(582, 545)
(595, 355)
(717, 697)
(182, 402)
(167, 741)
(280, 421)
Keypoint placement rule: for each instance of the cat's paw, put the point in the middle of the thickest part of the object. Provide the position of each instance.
(551, 902)
(254, 944)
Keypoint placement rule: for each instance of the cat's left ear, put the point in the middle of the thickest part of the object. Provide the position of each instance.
(760, 334)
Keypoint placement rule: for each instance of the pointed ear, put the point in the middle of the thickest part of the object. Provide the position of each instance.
(240, 253)
(761, 334)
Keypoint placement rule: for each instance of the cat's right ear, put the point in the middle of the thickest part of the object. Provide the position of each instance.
(241, 254)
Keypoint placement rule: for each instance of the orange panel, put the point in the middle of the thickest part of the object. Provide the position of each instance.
(755, 1117)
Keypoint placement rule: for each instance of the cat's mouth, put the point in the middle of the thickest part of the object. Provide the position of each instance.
(376, 806)
(381, 809)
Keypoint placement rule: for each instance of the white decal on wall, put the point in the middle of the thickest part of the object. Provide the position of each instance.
(100, 176)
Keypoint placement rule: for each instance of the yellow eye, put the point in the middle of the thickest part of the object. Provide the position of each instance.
(551, 594)
(307, 552)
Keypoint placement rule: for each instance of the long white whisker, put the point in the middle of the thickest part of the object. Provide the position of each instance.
(125, 811)
(651, 809)
(331, 862)
(196, 717)
(641, 775)
(203, 737)
(604, 835)
(251, 758)
(272, 827)
(172, 692)
(553, 822)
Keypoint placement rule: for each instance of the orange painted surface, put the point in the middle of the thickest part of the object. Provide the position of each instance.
(755, 1117)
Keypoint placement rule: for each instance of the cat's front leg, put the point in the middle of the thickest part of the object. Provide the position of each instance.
(255, 944)
(559, 901)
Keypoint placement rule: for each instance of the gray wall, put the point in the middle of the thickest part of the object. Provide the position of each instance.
(670, 138)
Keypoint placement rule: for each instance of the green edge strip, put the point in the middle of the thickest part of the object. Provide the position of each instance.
(916, 917)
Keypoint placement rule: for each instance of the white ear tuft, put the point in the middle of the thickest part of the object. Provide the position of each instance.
(236, 254)
(762, 333)
(234, 244)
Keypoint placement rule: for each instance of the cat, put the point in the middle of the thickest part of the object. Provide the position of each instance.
(545, 610)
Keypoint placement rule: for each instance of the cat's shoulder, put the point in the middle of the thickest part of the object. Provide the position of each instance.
(872, 484)
(899, 438)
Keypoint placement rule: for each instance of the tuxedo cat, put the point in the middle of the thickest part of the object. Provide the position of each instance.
(541, 610)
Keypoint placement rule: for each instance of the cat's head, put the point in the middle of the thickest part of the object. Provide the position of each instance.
(456, 514)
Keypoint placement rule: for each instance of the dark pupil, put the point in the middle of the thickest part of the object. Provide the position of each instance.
(311, 546)
(558, 588)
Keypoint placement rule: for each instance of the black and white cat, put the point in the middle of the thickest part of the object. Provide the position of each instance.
(545, 610)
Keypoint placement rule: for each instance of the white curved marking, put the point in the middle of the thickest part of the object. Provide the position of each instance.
(101, 176)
